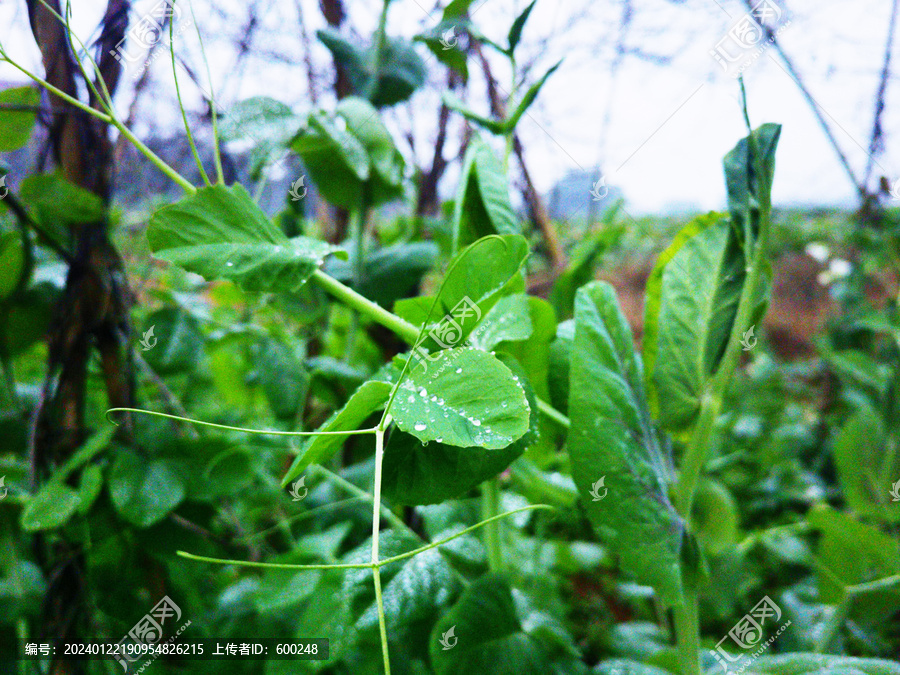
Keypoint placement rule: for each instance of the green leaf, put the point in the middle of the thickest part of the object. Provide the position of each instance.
(402, 72)
(417, 473)
(12, 263)
(485, 634)
(627, 667)
(851, 552)
(387, 165)
(456, 8)
(742, 182)
(488, 123)
(430, 473)
(482, 205)
(93, 446)
(612, 439)
(268, 124)
(175, 341)
(508, 320)
(868, 464)
(283, 378)
(442, 41)
(371, 396)
(144, 491)
(50, 508)
(691, 303)
(533, 353)
(531, 94)
(822, 664)
(220, 233)
(462, 397)
(16, 125)
(515, 31)
(715, 517)
(401, 69)
(89, 488)
(57, 204)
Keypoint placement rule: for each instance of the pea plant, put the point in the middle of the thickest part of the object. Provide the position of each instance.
(487, 377)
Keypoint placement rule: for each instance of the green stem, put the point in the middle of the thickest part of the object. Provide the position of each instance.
(376, 529)
(490, 506)
(687, 631)
(380, 40)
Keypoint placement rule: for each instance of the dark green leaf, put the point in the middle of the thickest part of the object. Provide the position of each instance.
(174, 340)
(612, 440)
(515, 31)
(742, 182)
(50, 508)
(144, 491)
(284, 379)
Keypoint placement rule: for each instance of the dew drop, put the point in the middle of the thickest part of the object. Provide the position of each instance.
(422, 392)
(411, 398)
(477, 423)
(229, 264)
(458, 371)
(420, 426)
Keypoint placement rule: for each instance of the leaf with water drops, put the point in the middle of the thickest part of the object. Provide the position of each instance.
(463, 397)
(220, 233)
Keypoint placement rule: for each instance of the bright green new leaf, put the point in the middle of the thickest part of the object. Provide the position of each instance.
(462, 397)
(51, 507)
(89, 488)
(371, 396)
(144, 490)
(16, 125)
(615, 448)
(482, 205)
(220, 233)
(56, 204)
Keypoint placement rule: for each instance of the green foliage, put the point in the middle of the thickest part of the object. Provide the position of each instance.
(482, 205)
(606, 397)
(220, 233)
(16, 125)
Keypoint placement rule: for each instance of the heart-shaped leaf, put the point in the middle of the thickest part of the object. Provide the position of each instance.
(462, 397)
(144, 491)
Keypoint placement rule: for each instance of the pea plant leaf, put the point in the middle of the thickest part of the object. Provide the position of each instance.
(368, 398)
(430, 473)
(462, 397)
(144, 492)
(16, 125)
(482, 205)
(691, 302)
(515, 31)
(483, 633)
(743, 183)
(220, 233)
(51, 507)
(612, 440)
(821, 664)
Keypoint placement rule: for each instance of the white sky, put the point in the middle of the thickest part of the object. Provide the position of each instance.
(669, 124)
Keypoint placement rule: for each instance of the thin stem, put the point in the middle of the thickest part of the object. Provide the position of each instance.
(220, 175)
(272, 566)
(553, 413)
(187, 127)
(376, 528)
(490, 505)
(269, 432)
(687, 631)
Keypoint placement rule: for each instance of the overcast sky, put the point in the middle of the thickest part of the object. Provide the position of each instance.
(669, 123)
